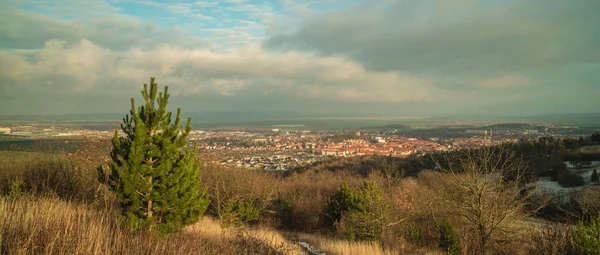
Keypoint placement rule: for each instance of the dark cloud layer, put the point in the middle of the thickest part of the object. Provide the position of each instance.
(478, 36)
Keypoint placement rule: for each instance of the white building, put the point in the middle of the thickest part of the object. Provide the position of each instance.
(379, 139)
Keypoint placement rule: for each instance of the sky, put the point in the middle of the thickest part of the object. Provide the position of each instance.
(391, 57)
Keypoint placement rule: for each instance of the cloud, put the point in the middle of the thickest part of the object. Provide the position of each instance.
(28, 30)
(502, 82)
(85, 68)
(187, 10)
(385, 56)
(464, 47)
(67, 9)
(464, 37)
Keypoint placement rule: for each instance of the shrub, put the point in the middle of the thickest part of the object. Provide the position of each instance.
(569, 179)
(594, 177)
(369, 221)
(595, 137)
(236, 212)
(449, 240)
(251, 244)
(358, 215)
(233, 185)
(584, 204)
(415, 235)
(16, 189)
(48, 175)
(284, 211)
(550, 239)
(360, 226)
(586, 237)
(343, 200)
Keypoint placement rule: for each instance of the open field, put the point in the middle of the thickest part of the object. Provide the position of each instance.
(7, 155)
(42, 145)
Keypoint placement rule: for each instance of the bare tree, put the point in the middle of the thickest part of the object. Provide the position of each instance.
(486, 190)
(583, 205)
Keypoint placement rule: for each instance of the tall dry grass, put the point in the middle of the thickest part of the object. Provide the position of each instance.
(60, 208)
(208, 227)
(329, 245)
(30, 225)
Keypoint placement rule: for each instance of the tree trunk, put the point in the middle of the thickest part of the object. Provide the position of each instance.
(482, 244)
(149, 207)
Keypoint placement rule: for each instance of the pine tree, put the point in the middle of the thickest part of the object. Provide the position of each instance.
(153, 173)
(595, 137)
(449, 240)
(345, 199)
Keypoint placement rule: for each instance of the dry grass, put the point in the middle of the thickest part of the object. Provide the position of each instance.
(51, 226)
(65, 210)
(342, 247)
(208, 227)
(31, 225)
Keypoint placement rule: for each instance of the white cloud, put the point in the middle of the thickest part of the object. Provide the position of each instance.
(27, 30)
(85, 67)
(206, 4)
(189, 10)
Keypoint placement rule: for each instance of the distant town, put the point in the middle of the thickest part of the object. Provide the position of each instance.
(283, 148)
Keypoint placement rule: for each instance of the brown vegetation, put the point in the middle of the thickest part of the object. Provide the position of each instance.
(30, 225)
(343, 247)
(60, 196)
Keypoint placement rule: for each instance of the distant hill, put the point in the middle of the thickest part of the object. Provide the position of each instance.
(510, 126)
(390, 126)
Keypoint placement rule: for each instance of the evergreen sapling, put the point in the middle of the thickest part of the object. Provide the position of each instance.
(153, 172)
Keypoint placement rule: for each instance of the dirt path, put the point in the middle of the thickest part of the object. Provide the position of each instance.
(309, 249)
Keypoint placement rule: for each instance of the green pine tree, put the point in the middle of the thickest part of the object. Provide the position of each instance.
(585, 238)
(449, 240)
(152, 172)
(345, 199)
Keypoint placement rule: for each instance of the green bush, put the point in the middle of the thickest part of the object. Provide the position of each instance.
(358, 215)
(284, 211)
(415, 235)
(360, 226)
(585, 239)
(16, 189)
(449, 240)
(342, 201)
(236, 212)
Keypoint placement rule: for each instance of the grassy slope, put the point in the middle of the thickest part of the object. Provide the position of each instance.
(30, 225)
(52, 218)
